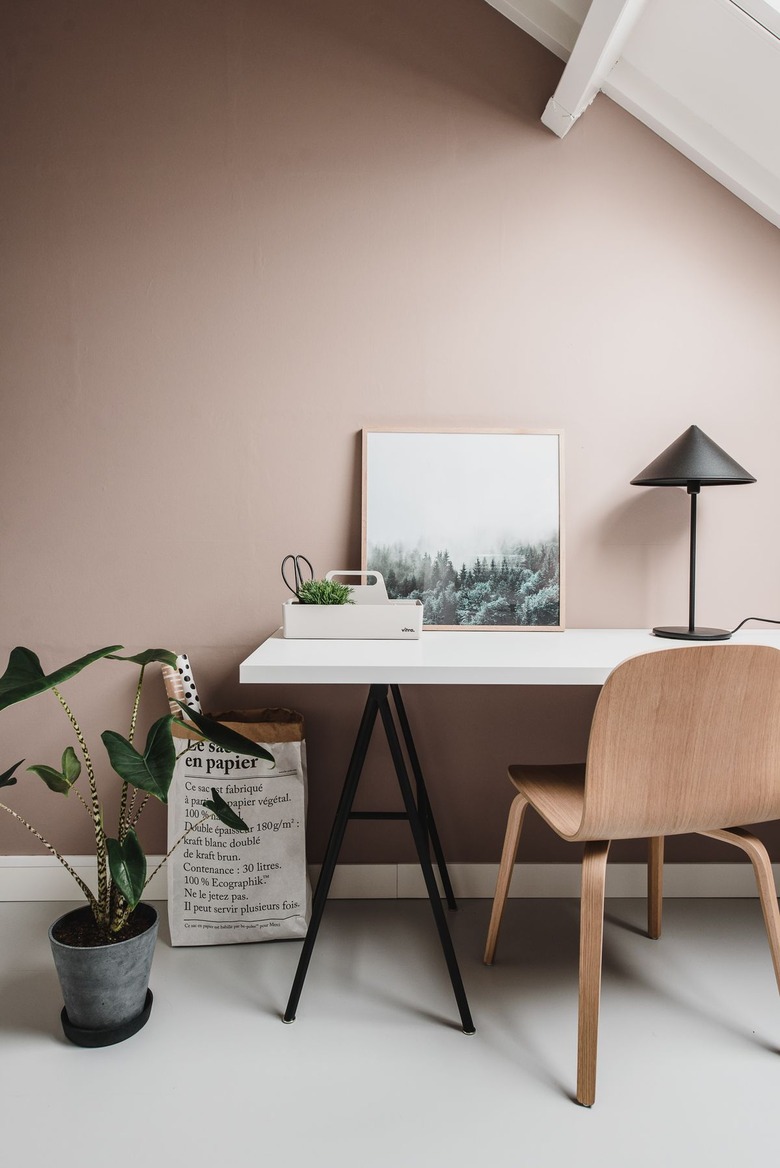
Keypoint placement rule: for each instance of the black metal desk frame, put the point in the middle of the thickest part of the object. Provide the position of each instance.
(420, 817)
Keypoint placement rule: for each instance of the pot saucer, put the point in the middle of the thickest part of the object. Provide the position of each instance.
(82, 1036)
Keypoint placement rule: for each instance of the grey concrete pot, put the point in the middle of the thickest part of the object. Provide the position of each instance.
(105, 987)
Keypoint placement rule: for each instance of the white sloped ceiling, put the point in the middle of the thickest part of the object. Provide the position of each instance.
(703, 74)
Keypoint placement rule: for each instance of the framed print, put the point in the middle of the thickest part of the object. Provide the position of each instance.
(468, 522)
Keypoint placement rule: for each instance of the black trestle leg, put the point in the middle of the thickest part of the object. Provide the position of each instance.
(351, 781)
(423, 802)
(421, 843)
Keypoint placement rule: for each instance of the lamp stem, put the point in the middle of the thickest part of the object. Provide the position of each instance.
(693, 491)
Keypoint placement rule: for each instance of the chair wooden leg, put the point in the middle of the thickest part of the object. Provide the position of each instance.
(655, 885)
(511, 840)
(594, 875)
(762, 867)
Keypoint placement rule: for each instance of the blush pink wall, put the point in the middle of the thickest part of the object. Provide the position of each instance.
(235, 233)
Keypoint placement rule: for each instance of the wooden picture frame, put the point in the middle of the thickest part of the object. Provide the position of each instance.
(469, 522)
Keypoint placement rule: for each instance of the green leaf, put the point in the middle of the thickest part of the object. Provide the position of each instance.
(7, 779)
(224, 812)
(60, 781)
(223, 736)
(71, 765)
(151, 771)
(52, 778)
(127, 864)
(164, 656)
(24, 676)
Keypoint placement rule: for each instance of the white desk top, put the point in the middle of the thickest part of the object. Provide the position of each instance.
(573, 657)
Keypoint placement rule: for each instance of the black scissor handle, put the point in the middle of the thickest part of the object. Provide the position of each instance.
(296, 560)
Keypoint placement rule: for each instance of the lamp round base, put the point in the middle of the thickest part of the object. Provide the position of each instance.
(683, 633)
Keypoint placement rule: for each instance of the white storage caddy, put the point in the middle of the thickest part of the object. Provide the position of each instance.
(372, 616)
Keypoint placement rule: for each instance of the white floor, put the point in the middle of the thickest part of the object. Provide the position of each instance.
(375, 1072)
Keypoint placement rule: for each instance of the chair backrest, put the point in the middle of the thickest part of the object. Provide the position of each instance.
(685, 740)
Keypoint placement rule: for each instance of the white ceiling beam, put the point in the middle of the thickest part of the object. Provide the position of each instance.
(545, 21)
(604, 32)
(764, 12)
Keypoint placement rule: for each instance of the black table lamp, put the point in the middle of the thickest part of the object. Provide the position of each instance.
(692, 461)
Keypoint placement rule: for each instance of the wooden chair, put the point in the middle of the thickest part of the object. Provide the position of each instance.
(682, 740)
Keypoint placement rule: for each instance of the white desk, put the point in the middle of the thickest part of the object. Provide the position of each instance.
(573, 657)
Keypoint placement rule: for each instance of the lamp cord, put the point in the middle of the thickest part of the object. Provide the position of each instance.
(766, 619)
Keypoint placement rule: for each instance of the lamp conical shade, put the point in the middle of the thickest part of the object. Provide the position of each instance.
(693, 457)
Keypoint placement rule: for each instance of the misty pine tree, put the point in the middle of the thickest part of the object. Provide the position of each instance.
(518, 585)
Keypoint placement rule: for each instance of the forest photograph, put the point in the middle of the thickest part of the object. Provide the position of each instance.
(468, 523)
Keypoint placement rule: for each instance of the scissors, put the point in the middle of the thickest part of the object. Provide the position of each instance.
(298, 576)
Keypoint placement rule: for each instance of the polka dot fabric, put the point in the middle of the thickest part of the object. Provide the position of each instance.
(188, 683)
(180, 686)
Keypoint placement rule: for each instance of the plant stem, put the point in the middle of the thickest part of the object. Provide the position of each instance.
(50, 848)
(96, 813)
(183, 836)
(139, 812)
(82, 801)
(123, 814)
(119, 911)
(122, 828)
(120, 921)
(136, 704)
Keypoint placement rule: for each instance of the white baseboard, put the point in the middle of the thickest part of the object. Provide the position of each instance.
(43, 878)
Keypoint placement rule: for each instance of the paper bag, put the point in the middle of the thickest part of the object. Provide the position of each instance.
(224, 886)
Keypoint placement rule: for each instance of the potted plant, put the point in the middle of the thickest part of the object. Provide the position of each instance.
(329, 609)
(103, 951)
(324, 592)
